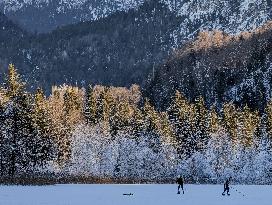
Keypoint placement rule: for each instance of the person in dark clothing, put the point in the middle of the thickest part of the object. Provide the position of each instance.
(180, 183)
(226, 187)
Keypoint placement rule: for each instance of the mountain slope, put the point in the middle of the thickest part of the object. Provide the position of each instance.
(46, 15)
(122, 48)
(228, 15)
(220, 68)
(11, 37)
(118, 50)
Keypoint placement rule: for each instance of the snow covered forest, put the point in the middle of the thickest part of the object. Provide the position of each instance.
(114, 134)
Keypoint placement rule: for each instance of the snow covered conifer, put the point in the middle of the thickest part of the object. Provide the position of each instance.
(15, 85)
(166, 131)
(201, 125)
(151, 117)
(231, 120)
(152, 123)
(107, 106)
(121, 117)
(181, 116)
(213, 121)
(43, 146)
(18, 124)
(72, 109)
(3, 138)
(137, 122)
(90, 106)
(250, 122)
(268, 111)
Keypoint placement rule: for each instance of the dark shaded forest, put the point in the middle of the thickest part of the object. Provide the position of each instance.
(219, 67)
(93, 52)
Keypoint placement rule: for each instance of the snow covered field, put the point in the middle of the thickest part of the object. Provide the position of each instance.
(143, 194)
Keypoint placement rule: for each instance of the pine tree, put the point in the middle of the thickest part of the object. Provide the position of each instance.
(138, 123)
(151, 123)
(231, 120)
(268, 112)
(19, 126)
(201, 125)
(182, 115)
(44, 147)
(178, 116)
(121, 117)
(178, 111)
(108, 104)
(213, 121)
(71, 116)
(166, 131)
(14, 82)
(250, 122)
(99, 106)
(90, 106)
(150, 116)
(105, 107)
(3, 147)
(72, 104)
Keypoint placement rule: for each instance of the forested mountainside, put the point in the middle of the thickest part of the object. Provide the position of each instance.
(118, 50)
(47, 15)
(219, 67)
(230, 15)
(10, 35)
(122, 48)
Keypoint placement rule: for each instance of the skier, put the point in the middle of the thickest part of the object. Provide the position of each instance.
(226, 187)
(180, 182)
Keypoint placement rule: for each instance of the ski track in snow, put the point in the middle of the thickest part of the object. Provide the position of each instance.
(142, 194)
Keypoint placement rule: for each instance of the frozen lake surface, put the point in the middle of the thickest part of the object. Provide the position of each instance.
(142, 194)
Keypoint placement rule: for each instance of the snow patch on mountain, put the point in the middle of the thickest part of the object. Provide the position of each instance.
(243, 12)
(61, 6)
(230, 16)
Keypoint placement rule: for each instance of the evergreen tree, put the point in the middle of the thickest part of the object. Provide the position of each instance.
(151, 117)
(268, 117)
(44, 146)
(71, 110)
(99, 106)
(90, 106)
(105, 108)
(250, 122)
(166, 131)
(231, 120)
(15, 85)
(200, 123)
(121, 117)
(138, 122)
(182, 115)
(151, 123)
(178, 111)
(213, 121)
(58, 129)
(18, 125)
(3, 138)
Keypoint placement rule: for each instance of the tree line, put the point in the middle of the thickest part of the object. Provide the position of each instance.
(113, 132)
